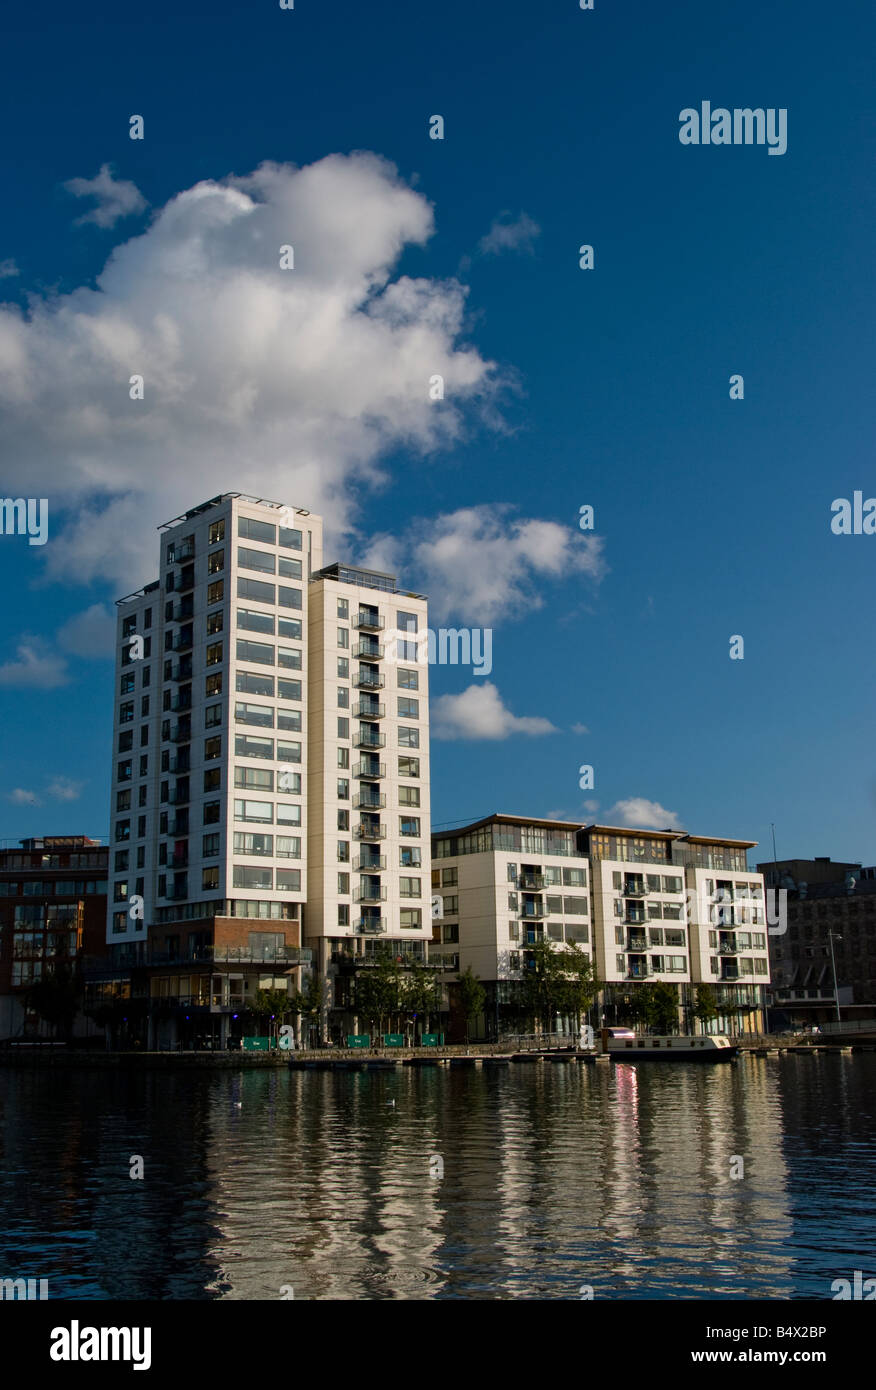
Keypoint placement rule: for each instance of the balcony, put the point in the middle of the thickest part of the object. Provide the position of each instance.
(367, 650)
(177, 894)
(369, 832)
(179, 826)
(374, 863)
(180, 762)
(183, 611)
(726, 949)
(532, 883)
(181, 733)
(635, 919)
(179, 860)
(368, 622)
(374, 894)
(182, 642)
(179, 796)
(182, 552)
(182, 671)
(637, 943)
(179, 580)
(181, 701)
(361, 740)
(633, 888)
(371, 768)
(368, 709)
(728, 971)
(361, 802)
(533, 909)
(371, 925)
(368, 680)
(639, 972)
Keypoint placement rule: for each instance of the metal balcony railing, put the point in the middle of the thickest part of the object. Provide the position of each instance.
(367, 680)
(368, 622)
(361, 740)
(531, 882)
(633, 889)
(367, 650)
(184, 551)
(364, 862)
(361, 802)
(369, 895)
(369, 768)
(369, 832)
(371, 925)
(368, 709)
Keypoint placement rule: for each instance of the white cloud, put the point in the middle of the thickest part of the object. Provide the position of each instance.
(63, 789)
(510, 234)
(8, 268)
(36, 667)
(480, 564)
(478, 713)
(637, 811)
(580, 729)
(291, 384)
(91, 633)
(21, 797)
(591, 807)
(115, 198)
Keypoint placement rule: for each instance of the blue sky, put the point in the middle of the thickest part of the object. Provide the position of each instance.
(609, 387)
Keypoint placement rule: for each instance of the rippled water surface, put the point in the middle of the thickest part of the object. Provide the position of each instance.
(554, 1176)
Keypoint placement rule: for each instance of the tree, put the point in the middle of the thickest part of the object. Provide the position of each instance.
(56, 999)
(472, 997)
(422, 992)
(665, 1007)
(310, 1001)
(578, 986)
(378, 991)
(641, 1008)
(706, 1008)
(270, 1004)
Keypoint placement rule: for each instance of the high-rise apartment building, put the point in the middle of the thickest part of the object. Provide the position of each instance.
(270, 793)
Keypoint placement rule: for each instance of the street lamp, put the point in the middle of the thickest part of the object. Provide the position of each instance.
(834, 936)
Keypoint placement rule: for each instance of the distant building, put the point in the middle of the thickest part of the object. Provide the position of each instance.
(52, 915)
(828, 904)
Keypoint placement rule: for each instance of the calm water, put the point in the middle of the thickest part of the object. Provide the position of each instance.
(555, 1176)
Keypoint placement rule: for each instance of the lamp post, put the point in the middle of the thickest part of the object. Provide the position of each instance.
(832, 937)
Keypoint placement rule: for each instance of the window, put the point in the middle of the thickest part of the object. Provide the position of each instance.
(343, 914)
(343, 883)
(252, 683)
(451, 933)
(288, 813)
(343, 789)
(288, 752)
(344, 637)
(288, 569)
(216, 562)
(343, 728)
(212, 779)
(213, 685)
(123, 830)
(409, 825)
(256, 560)
(409, 796)
(343, 820)
(212, 748)
(210, 846)
(250, 530)
(288, 597)
(126, 712)
(209, 879)
(408, 680)
(343, 697)
(261, 715)
(343, 668)
(289, 627)
(248, 876)
(126, 740)
(121, 861)
(672, 885)
(343, 851)
(125, 771)
(288, 690)
(575, 878)
(214, 654)
(215, 622)
(575, 907)
(127, 683)
(343, 608)
(251, 746)
(288, 847)
(409, 887)
(255, 589)
(408, 738)
(261, 778)
(289, 656)
(216, 532)
(262, 812)
(211, 812)
(410, 918)
(261, 653)
(290, 537)
(251, 842)
(409, 857)
(123, 800)
(252, 621)
(407, 708)
(212, 716)
(289, 879)
(408, 767)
